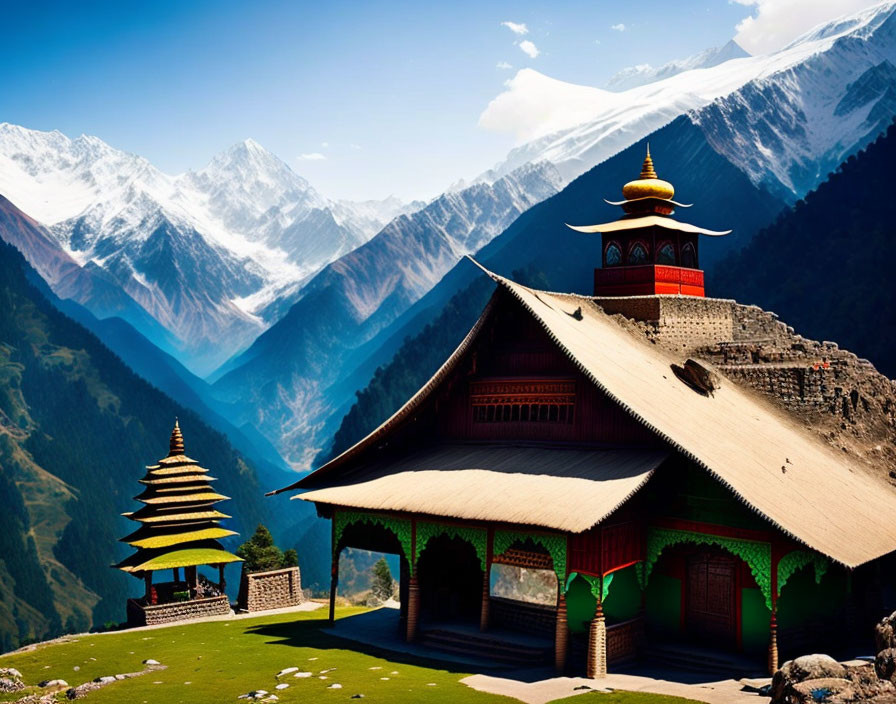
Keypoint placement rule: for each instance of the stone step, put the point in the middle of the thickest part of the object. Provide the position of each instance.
(490, 647)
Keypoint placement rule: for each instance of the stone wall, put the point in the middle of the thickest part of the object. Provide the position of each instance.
(831, 391)
(624, 640)
(139, 615)
(275, 589)
(537, 619)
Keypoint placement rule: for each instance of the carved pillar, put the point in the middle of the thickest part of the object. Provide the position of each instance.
(483, 613)
(597, 643)
(773, 644)
(561, 635)
(413, 608)
(486, 582)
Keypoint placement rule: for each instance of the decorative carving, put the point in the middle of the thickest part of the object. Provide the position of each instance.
(523, 400)
(524, 558)
(477, 537)
(757, 555)
(553, 543)
(400, 527)
(795, 561)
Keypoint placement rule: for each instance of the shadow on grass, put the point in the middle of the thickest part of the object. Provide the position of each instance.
(315, 633)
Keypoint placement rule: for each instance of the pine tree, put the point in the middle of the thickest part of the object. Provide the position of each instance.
(382, 586)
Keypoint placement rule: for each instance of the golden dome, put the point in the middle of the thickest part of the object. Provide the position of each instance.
(648, 186)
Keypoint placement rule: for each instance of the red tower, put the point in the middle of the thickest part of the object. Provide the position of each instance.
(647, 251)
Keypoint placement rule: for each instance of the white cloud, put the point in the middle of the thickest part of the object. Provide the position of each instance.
(533, 105)
(504, 66)
(529, 49)
(516, 27)
(313, 156)
(775, 23)
(324, 144)
(618, 27)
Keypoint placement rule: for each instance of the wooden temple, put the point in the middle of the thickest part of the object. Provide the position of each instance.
(669, 502)
(179, 529)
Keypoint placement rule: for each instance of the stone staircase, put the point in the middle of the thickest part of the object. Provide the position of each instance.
(502, 647)
(712, 663)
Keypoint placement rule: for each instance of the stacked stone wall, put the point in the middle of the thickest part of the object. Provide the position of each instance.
(537, 619)
(139, 615)
(832, 391)
(275, 589)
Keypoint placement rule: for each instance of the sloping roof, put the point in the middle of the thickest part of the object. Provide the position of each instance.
(647, 221)
(574, 488)
(825, 500)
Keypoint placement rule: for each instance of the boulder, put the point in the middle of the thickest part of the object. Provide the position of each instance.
(885, 633)
(9, 684)
(52, 683)
(806, 667)
(885, 664)
(823, 689)
(150, 661)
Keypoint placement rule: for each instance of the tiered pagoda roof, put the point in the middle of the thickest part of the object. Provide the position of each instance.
(179, 524)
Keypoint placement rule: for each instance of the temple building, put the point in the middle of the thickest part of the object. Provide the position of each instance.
(683, 469)
(179, 529)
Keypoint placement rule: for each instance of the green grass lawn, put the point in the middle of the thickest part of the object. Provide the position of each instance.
(216, 662)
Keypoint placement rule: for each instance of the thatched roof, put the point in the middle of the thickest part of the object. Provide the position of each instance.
(825, 500)
(564, 489)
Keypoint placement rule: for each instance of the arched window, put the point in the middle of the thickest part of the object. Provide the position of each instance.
(665, 254)
(689, 256)
(613, 255)
(637, 254)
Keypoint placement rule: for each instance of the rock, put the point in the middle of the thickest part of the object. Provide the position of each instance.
(104, 680)
(77, 668)
(806, 667)
(302, 674)
(10, 673)
(121, 677)
(335, 685)
(287, 671)
(150, 661)
(282, 685)
(8, 684)
(822, 689)
(885, 664)
(357, 696)
(52, 683)
(885, 633)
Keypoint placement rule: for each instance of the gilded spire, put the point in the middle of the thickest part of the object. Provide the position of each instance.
(176, 445)
(647, 170)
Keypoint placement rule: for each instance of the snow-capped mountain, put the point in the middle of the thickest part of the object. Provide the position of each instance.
(641, 74)
(804, 84)
(282, 377)
(203, 251)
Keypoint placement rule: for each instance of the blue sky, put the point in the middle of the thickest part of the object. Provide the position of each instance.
(380, 97)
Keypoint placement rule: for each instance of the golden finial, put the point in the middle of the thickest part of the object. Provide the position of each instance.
(647, 170)
(176, 445)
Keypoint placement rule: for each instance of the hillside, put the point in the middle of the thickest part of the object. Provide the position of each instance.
(823, 266)
(76, 428)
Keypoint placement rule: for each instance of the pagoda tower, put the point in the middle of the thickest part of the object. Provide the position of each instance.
(647, 251)
(179, 525)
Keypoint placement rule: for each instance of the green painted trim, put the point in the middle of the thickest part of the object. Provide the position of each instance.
(795, 561)
(757, 555)
(477, 537)
(554, 544)
(595, 584)
(400, 527)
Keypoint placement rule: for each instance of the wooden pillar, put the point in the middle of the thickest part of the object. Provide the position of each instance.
(190, 574)
(334, 582)
(177, 574)
(777, 551)
(773, 644)
(221, 583)
(413, 607)
(561, 635)
(486, 583)
(147, 581)
(404, 574)
(413, 588)
(597, 643)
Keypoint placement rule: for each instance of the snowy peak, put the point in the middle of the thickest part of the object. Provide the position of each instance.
(643, 74)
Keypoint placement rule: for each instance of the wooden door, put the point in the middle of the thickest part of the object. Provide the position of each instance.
(711, 611)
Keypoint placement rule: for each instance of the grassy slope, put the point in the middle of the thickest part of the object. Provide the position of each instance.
(223, 659)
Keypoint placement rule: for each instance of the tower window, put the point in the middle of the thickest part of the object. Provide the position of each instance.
(665, 254)
(613, 255)
(637, 254)
(689, 256)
